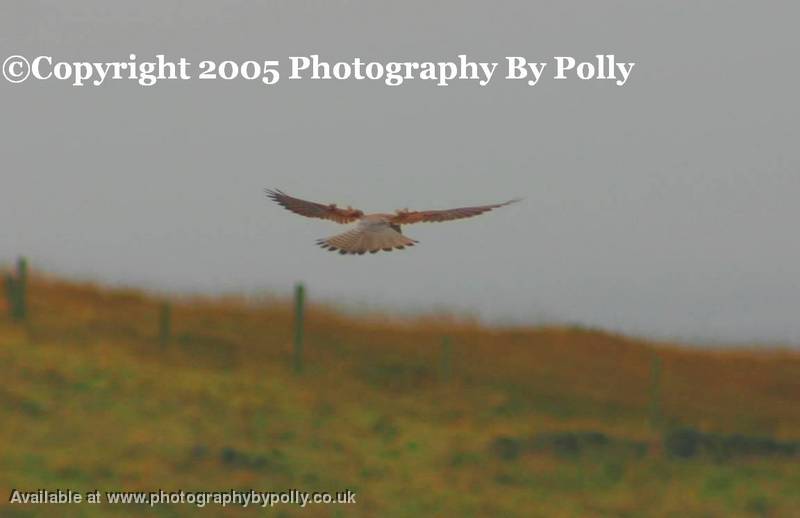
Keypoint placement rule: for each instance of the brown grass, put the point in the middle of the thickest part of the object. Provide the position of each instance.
(91, 400)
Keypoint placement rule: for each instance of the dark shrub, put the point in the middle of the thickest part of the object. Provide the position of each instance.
(570, 444)
(682, 442)
(238, 459)
(507, 448)
(688, 442)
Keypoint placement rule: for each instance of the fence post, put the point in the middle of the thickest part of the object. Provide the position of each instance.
(655, 391)
(11, 295)
(446, 367)
(164, 324)
(16, 291)
(299, 309)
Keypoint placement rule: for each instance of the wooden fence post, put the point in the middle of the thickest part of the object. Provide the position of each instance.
(164, 324)
(446, 366)
(655, 392)
(16, 291)
(299, 310)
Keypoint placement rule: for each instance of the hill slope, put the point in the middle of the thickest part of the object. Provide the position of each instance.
(547, 421)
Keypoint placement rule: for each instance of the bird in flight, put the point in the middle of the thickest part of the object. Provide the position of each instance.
(374, 232)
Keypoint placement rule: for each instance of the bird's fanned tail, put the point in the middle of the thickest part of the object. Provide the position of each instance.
(360, 241)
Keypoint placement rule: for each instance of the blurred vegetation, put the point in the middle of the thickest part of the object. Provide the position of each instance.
(505, 422)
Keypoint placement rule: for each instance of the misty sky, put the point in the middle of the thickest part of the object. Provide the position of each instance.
(667, 207)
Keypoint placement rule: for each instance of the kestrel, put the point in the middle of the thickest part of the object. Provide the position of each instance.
(374, 232)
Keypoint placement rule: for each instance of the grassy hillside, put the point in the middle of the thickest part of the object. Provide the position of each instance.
(527, 422)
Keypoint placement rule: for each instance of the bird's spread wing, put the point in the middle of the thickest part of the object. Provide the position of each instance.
(314, 210)
(405, 217)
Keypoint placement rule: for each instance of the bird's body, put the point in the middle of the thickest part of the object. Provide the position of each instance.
(373, 232)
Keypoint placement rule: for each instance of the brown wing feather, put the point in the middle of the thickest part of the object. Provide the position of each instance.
(432, 216)
(314, 210)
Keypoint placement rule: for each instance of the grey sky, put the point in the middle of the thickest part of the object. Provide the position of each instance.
(666, 207)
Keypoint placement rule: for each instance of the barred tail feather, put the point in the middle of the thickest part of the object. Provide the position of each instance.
(360, 241)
